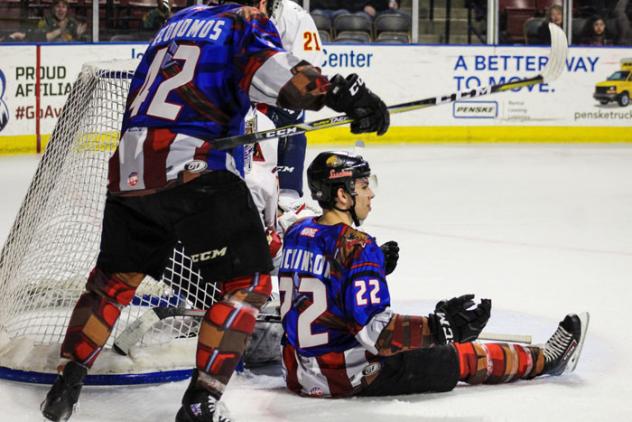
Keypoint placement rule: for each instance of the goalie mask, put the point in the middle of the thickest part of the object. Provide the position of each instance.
(332, 170)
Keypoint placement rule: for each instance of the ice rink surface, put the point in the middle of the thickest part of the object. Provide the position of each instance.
(542, 230)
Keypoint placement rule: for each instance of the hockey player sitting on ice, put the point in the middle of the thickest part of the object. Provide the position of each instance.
(167, 183)
(341, 336)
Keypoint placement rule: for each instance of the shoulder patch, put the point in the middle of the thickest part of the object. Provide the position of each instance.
(309, 232)
(350, 243)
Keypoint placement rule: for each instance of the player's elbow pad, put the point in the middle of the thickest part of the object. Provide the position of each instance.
(403, 333)
(306, 89)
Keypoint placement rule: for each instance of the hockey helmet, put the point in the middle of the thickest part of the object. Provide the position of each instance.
(271, 6)
(332, 170)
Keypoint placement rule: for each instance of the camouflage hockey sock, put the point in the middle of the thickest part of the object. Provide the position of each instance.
(96, 312)
(225, 330)
(495, 363)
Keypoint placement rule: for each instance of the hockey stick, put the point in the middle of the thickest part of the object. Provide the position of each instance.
(141, 326)
(137, 329)
(553, 69)
(505, 338)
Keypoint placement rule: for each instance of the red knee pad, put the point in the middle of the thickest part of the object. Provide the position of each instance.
(118, 287)
(257, 283)
(227, 316)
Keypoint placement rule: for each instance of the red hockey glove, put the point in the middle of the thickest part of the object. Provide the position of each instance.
(457, 321)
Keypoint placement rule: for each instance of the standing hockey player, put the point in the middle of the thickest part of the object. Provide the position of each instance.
(194, 84)
(341, 336)
(275, 169)
(300, 37)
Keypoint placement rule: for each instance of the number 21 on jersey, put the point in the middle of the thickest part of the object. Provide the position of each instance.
(311, 41)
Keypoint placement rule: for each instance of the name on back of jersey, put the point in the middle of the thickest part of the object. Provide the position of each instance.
(190, 29)
(299, 260)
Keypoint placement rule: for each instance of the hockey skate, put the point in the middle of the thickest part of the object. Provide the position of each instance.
(200, 406)
(63, 396)
(562, 350)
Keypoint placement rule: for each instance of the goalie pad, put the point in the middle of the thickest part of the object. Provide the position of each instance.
(264, 346)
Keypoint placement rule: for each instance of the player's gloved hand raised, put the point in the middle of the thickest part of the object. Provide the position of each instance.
(457, 320)
(351, 96)
(391, 255)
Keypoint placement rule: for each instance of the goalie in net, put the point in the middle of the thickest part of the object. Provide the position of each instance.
(167, 184)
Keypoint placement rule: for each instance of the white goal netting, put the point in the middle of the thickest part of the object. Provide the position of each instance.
(54, 242)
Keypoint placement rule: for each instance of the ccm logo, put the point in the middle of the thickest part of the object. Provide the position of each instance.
(277, 133)
(445, 326)
(208, 255)
(285, 169)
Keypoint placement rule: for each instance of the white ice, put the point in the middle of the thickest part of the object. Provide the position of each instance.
(542, 230)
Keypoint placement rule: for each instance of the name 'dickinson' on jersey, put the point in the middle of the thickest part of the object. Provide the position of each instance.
(305, 261)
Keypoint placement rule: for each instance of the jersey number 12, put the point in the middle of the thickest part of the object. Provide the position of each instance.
(159, 107)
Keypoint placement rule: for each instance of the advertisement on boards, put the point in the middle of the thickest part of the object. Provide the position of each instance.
(409, 73)
(594, 91)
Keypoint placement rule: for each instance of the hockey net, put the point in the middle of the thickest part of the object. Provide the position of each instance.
(54, 242)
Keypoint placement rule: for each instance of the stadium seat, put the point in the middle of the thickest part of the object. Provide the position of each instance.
(392, 22)
(531, 27)
(355, 37)
(325, 36)
(393, 37)
(323, 22)
(355, 23)
(516, 18)
(579, 29)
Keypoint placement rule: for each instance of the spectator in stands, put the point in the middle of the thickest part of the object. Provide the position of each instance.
(375, 7)
(156, 17)
(595, 32)
(58, 25)
(330, 8)
(555, 14)
(371, 8)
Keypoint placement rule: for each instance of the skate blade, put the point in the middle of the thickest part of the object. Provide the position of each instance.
(584, 317)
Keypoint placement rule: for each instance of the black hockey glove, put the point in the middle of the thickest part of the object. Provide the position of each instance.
(391, 255)
(351, 96)
(457, 321)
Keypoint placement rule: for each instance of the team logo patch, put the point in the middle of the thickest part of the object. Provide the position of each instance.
(196, 166)
(333, 161)
(371, 369)
(309, 232)
(132, 179)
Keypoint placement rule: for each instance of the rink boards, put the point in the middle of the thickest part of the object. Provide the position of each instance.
(563, 111)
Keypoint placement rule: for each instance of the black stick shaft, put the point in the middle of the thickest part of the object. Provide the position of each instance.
(233, 141)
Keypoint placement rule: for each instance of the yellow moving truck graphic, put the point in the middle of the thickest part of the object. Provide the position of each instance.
(618, 86)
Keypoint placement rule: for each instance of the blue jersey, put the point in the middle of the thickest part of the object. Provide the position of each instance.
(334, 304)
(191, 86)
